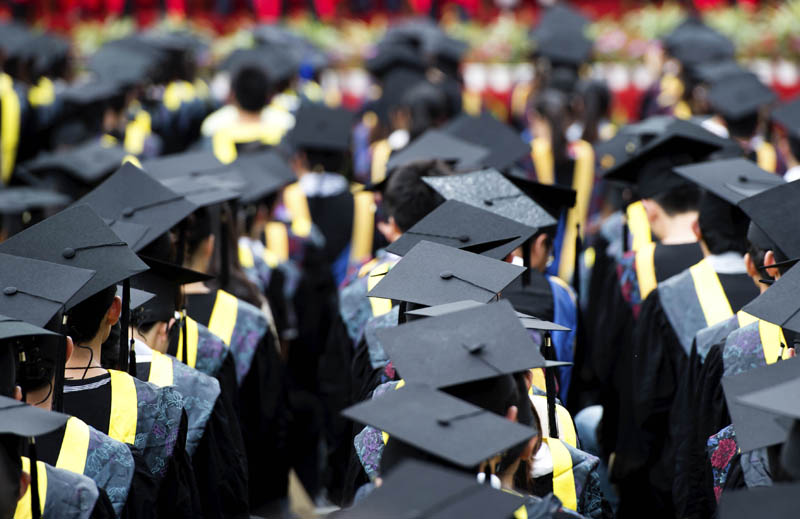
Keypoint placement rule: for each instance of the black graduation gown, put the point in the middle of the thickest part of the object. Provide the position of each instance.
(262, 412)
(176, 494)
(333, 215)
(219, 462)
(645, 458)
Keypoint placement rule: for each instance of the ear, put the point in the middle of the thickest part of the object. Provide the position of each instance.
(24, 483)
(209, 245)
(17, 394)
(163, 328)
(70, 347)
(650, 208)
(769, 259)
(696, 230)
(511, 414)
(540, 244)
(114, 311)
(528, 376)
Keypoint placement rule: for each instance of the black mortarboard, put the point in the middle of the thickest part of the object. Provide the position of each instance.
(754, 426)
(132, 196)
(14, 328)
(788, 116)
(739, 96)
(491, 191)
(465, 227)
(732, 180)
(91, 92)
(181, 164)
(77, 237)
(138, 297)
(35, 291)
(18, 199)
(651, 166)
(554, 198)
(432, 274)
(714, 72)
(461, 347)
(778, 501)
(504, 144)
(773, 213)
(440, 424)
(436, 144)
(419, 490)
(21, 419)
(319, 127)
(528, 321)
(693, 43)
(392, 56)
(264, 173)
(565, 48)
(779, 305)
(89, 163)
(163, 279)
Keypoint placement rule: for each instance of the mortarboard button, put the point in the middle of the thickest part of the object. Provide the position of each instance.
(68, 253)
(10, 291)
(446, 274)
(128, 212)
(488, 203)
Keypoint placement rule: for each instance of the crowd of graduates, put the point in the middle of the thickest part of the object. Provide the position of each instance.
(245, 300)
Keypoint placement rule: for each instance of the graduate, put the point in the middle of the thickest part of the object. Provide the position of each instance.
(706, 293)
(158, 432)
(786, 119)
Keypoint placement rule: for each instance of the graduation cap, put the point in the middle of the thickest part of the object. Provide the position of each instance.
(77, 237)
(18, 199)
(262, 173)
(528, 321)
(393, 56)
(554, 198)
(432, 274)
(732, 180)
(138, 297)
(693, 42)
(739, 96)
(440, 424)
(25, 420)
(132, 196)
(164, 281)
(714, 72)
(87, 163)
(565, 48)
(491, 191)
(319, 127)
(91, 92)
(419, 490)
(181, 164)
(779, 304)
(438, 145)
(204, 190)
(651, 167)
(788, 116)
(755, 426)
(465, 227)
(778, 501)
(773, 218)
(35, 291)
(460, 347)
(504, 144)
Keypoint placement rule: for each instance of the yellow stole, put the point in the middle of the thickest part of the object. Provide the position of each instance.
(710, 293)
(23, 510)
(9, 127)
(124, 406)
(563, 479)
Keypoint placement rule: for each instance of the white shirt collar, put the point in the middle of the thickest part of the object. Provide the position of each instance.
(792, 174)
(143, 352)
(728, 263)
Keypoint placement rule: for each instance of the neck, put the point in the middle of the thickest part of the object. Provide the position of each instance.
(198, 264)
(677, 229)
(41, 398)
(791, 161)
(196, 288)
(83, 355)
(249, 117)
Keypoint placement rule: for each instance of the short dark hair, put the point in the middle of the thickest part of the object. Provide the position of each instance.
(722, 225)
(742, 127)
(794, 146)
(407, 198)
(251, 88)
(84, 319)
(679, 200)
(10, 472)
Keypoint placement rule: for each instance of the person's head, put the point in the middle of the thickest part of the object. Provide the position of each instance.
(788, 146)
(90, 321)
(13, 480)
(664, 208)
(743, 127)
(540, 250)
(762, 253)
(250, 89)
(721, 227)
(198, 240)
(426, 106)
(407, 199)
(594, 100)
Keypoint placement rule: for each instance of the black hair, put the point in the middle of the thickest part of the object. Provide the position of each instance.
(10, 472)
(722, 225)
(757, 254)
(596, 103)
(251, 88)
(742, 127)
(679, 200)
(553, 106)
(8, 378)
(84, 319)
(407, 198)
(427, 106)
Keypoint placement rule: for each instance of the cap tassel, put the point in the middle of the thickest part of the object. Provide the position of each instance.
(36, 511)
(225, 275)
(185, 349)
(58, 380)
(124, 324)
(132, 359)
(550, 387)
(576, 272)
